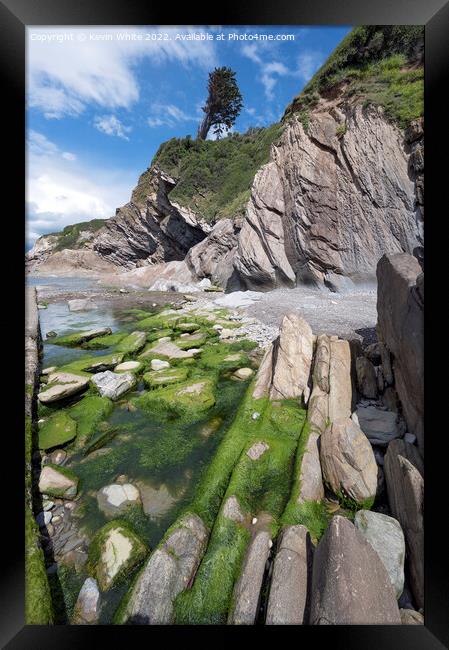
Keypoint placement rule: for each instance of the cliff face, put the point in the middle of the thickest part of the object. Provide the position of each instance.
(333, 199)
(150, 229)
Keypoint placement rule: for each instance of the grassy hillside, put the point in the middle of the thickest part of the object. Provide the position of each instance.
(215, 176)
(374, 64)
(69, 236)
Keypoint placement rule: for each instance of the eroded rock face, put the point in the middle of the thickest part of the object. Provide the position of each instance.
(400, 309)
(347, 461)
(340, 384)
(149, 229)
(292, 571)
(170, 570)
(350, 585)
(326, 207)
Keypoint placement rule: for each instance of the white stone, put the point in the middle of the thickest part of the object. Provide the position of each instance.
(115, 498)
(239, 299)
(255, 415)
(113, 385)
(243, 373)
(158, 364)
(127, 365)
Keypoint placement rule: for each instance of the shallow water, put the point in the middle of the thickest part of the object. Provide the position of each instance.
(163, 459)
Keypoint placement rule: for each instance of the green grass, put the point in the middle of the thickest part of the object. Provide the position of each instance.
(38, 601)
(215, 177)
(68, 237)
(380, 64)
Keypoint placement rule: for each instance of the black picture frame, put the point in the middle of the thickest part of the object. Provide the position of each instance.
(15, 15)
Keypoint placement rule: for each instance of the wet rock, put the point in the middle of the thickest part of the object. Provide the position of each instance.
(57, 483)
(246, 596)
(158, 364)
(243, 374)
(350, 585)
(88, 605)
(168, 349)
(81, 304)
(115, 499)
(128, 366)
(156, 501)
(61, 385)
(347, 461)
(114, 551)
(57, 430)
(366, 377)
(170, 569)
(49, 371)
(43, 519)
(58, 457)
(379, 426)
(386, 537)
(113, 385)
(292, 572)
(405, 489)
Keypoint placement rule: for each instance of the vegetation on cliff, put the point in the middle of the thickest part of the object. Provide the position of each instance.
(214, 177)
(376, 65)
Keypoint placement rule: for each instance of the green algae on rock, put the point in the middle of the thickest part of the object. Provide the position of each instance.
(88, 413)
(164, 377)
(114, 553)
(59, 482)
(187, 399)
(59, 429)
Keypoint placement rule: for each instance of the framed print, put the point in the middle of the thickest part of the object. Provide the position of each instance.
(225, 335)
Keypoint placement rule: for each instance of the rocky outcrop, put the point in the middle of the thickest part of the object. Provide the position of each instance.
(213, 258)
(350, 585)
(405, 488)
(70, 262)
(400, 308)
(170, 569)
(288, 600)
(329, 205)
(285, 369)
(347, 461)
(149, 229)
(33, 344)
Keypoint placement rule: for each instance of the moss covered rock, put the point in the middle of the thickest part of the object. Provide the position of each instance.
(58, 482)
(164, 377)
(78, 338)
(57, 430)
(88, 413)
(115, 551)
(187, 399)
(131, 343)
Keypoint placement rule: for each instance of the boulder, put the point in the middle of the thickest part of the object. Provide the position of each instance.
(58, 482)
(292, 573)
(158, 364)
(405, 489)
(386, 537)
(246, 596)
(88, 605)
(61, 385)
(350, 585)
(128, 366)
(115, 499)
(379, 426)
(347, 461)
(285, 370)
(366, 377)
(170, 569)
(78, 338)
(114, 552)
(113, 385)
(321, 366)
(340, 384)
(81, 304)
(400, 308)
(411, 617)
(167, 348)
(243, 373)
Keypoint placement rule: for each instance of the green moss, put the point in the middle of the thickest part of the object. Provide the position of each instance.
(88, 413)
(191, 341)
(65, 586)
(376, 65)
(73, 340)
(90, 364)
(157, 378)
(157, 322)
(98, 546)
(215, 177)
(158, 334)
(187, 400)
(103, 342)
(131, 344)
(59, 429)
(222, 356)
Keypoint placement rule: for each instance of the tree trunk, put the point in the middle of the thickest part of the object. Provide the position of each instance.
(204, 127)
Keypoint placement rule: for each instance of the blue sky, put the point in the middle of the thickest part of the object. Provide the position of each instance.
(100, 101)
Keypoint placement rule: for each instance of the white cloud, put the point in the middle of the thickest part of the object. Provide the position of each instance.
(111, 125)
(63, 76)
(308, 63)
(168, 115)
(68, 156)
(61, 191)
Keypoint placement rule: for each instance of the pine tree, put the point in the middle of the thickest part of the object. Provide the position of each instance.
(223, 105)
